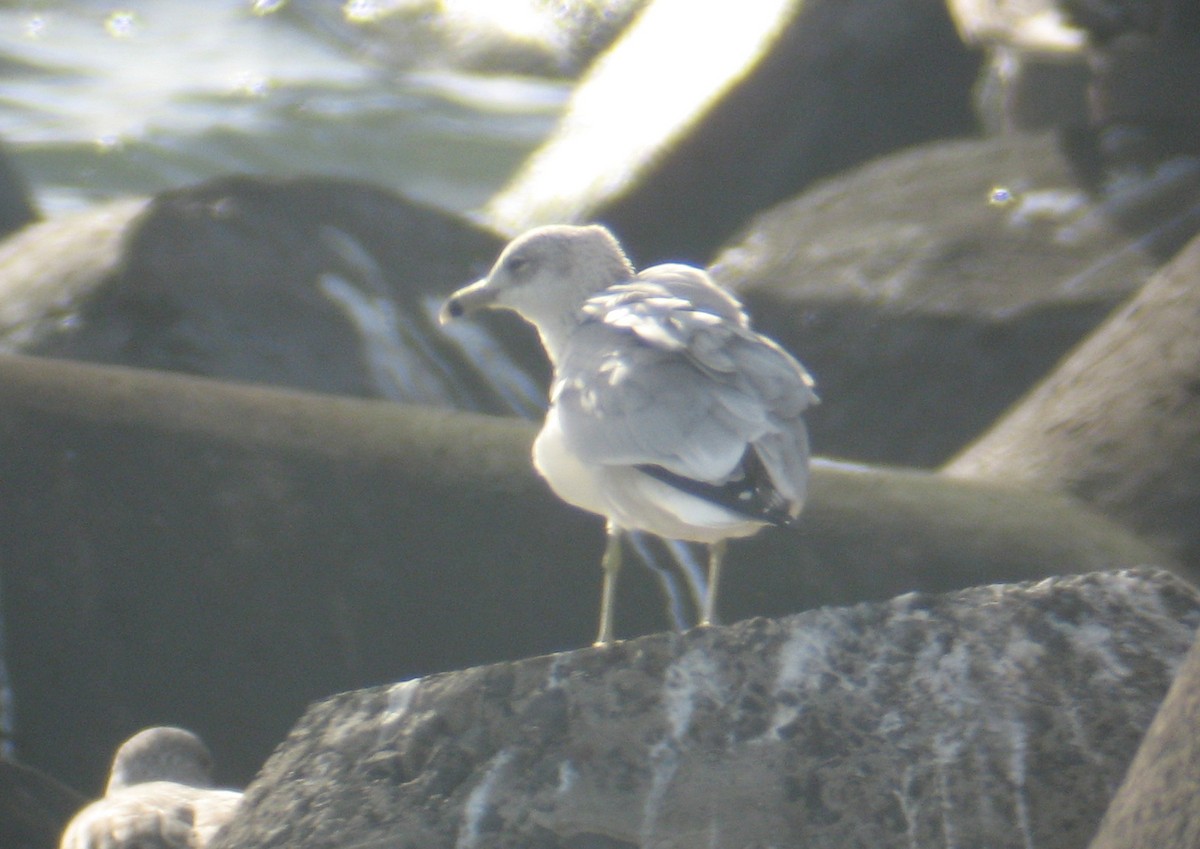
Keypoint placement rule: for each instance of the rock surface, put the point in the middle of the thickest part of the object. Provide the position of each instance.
(1117, 424)
(223, 554)
(1159, 801)
(998, 716)
(755, 102)
(923, 307)
(315, 283)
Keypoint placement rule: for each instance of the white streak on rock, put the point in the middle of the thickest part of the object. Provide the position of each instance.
(476, 806)
(802, 660)
(910, 806)
(945, 753)
(399, 705)
(396, 372)
(567, 774)
(691, 678)
(400, 698)
(1017, 771)
(687, 682)
(554, 676)
(664, 761)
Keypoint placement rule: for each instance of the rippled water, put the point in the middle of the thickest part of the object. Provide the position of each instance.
(102, 99)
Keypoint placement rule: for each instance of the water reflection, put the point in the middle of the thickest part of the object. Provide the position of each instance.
(101, 102)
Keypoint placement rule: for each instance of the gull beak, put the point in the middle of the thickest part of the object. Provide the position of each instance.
(467, 300)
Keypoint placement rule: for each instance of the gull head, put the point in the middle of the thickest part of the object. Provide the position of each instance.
(161, 754)
(545, 275)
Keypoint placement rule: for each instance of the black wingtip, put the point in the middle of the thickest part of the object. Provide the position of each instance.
(751, 495)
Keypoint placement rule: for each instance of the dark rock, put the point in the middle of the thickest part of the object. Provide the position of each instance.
(34, 808)
(221, 555)
(1000, 716)
(315, 283)
(758, 103)
(16, 203)
(1117, 424)
(923, 305)
(1117, 79)
(158, 564)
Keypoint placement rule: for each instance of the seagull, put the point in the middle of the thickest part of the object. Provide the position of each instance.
(668, 413)
(159, 796)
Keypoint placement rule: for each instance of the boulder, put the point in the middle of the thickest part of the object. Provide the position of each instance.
(701, 115)
(1117, 424)
(998, 716)
(1158, 803)
(928, 290)
(221, 555)
(315, 283)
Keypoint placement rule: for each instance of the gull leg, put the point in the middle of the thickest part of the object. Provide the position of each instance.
(611, 564)
(716, 555)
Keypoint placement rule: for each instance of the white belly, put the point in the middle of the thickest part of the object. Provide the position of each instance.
(629, 499)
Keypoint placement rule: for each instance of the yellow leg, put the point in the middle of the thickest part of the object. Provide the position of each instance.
(611, 564)
(716, 554)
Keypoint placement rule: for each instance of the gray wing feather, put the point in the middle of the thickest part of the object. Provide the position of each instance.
(654, 377)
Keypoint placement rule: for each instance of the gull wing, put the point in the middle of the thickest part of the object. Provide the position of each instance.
(665, 374)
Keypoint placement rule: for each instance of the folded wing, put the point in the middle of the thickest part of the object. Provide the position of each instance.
(665, 374)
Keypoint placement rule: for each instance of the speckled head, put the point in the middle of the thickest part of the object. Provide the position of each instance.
(545, 275)
(162, 753)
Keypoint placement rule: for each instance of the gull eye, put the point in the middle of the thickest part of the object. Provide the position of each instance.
(517, 264)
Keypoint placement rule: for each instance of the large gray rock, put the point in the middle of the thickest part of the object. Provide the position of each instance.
(1117, 424)
(922, 305)
(999, 717)
(701, 115)
(222, 555)
(316, 283)
(1158, 803)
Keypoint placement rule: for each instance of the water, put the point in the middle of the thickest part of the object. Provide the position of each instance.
(105, 99)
